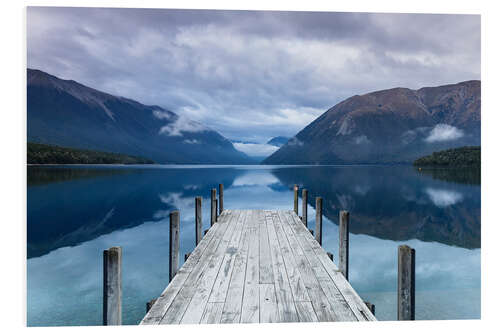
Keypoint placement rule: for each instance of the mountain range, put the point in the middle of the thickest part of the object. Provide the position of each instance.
(69, 114)
(389, 126)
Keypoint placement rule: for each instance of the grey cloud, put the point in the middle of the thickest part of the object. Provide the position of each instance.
(250, 74)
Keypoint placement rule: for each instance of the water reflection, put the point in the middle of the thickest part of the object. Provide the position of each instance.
(394, 202)
(72, 218)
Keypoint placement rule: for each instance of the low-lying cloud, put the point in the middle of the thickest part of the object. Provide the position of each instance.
(255, 149)
(180, 125)
(250, 74)
(444, 132)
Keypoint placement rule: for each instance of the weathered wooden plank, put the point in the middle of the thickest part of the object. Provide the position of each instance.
(268, 308)
(265, 268)
(299, 291)
(173, 262)
(304, 206)
(406, 283)
(221, 198)
(215, 285)
(203, 286)
(296, 199)
(183, 297)
(344, 243)
(323, 309)
(212, 313)
(198, 220)
(306, 312)
(318, 233)
(112, 286)
(163, 302)
(355, 302)
(213, 208)
(250, 305)
(221, 284)
(232, 307)
(286, 307)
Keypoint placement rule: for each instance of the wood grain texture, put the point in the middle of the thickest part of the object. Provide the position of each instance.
(258, 266)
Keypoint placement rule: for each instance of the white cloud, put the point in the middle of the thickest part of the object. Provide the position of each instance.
(182, 124)
(255, 149)
(294, 142)
(443, 198)
(444, 132)
(163, 115)
(192, 142)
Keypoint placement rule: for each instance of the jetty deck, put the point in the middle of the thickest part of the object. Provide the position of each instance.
(258, 266)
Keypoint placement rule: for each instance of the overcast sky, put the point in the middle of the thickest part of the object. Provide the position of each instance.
(250, 75)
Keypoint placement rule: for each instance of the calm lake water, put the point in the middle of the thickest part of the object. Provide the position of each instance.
(74, 213)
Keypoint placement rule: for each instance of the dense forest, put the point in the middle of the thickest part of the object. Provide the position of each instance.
(458, 157)
(49, 154)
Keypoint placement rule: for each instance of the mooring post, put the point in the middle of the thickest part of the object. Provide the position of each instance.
(304, 207)
(296, 199)
(174, 244)
(213, 209)
(319, 220)
(344, 243)
(198, 219)
(150, 304)
(406, 283)
(112, 286)
(221, 198)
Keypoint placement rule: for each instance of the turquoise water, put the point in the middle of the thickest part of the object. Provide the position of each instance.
(74, 213)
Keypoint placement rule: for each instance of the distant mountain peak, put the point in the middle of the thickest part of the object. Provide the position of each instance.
(278, 141)
(389, 126)
(70, 114)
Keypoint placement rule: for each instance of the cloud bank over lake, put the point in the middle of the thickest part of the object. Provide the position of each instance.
(250, 75)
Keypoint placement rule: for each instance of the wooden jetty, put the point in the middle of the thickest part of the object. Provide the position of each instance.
(257, 266)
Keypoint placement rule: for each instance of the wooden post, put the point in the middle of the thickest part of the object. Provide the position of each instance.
(150, 304)
(221, 198)
(406, 283)
(296, 199)
(112, 286)
(213, 209)
(174, 244)
(319, 220)
(198, 219)
(371, 307)
(344, 243)
(216, 209)
(304, 207)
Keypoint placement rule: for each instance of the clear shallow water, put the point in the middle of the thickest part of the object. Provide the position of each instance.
(74, 213)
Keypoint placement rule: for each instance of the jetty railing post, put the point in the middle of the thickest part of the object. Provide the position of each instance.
(221, 198)
(174, 244)
(344, 243)
(296, 199)
(213, 209)
(198, 219)
(319, 220)
(304, 207)
(112, 286)
(406, 283)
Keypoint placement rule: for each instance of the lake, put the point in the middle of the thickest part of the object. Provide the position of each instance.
(74, 213)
